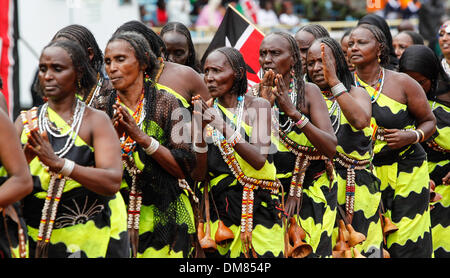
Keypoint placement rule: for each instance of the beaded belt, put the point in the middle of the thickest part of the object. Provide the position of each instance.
(249, 185)
(351, 165)
(435, 146)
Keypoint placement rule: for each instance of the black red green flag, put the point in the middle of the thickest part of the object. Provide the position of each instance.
(238, 32)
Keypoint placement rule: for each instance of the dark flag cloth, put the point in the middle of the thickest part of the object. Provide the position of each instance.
(238, 32)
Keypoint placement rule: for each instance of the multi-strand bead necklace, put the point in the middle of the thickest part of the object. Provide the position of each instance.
(378, 88)
(128, 146)
(57, 181)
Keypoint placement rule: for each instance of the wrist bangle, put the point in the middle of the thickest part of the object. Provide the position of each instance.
(417, 136)
(338, 90)
(67, 168)
(154, 145)
(302, 122)
(200, 149)
(423, 135)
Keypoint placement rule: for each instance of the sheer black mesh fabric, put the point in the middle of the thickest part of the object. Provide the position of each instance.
(160, 189)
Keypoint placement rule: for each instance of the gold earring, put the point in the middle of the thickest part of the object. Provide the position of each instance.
(379, 60)
(79, 84)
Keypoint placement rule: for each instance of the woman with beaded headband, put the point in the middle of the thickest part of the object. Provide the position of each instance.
(74, 157)
(444, 44)
(402, 118)
(304, 141)
(160, 217)
(234, 157)
(421, 63)
(179, 46)
(179, 80)
(350, 111)
(15, 184)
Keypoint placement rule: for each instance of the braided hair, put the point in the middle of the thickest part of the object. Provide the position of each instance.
(156, 43)
(236, 60)
(145, 56)
(180, 28)
(86, 75)
(415, 37)
(342, 71)
(86, 39)
(295, 52)
(318, 31)
(421, 59)
(381, 39)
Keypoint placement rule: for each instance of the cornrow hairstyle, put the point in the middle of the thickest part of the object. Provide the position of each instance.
(156, 43)
(318, 31)
(145, 56)
(381, 23)
(86, 39)
(180, 28)
(422, 59)
(295, 52)
(86, 75)
(381, 39)
(342, 71)
(236, 60)
(416, 37)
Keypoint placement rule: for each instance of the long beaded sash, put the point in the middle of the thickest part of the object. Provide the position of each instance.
(11, 212)
(351, 165)
(304, 155)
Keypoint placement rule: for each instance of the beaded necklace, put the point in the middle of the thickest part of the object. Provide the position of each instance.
(378, 88)
(335, 106)
(128, 146)
(249, 184)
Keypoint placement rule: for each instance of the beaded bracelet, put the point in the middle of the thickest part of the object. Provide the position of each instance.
(338, 90)
(200, 149)
(67, 168)
(302, 122)
(154, 145)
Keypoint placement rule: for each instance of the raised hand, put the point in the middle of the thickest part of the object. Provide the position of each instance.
(266, 86)
(328, 66)
(282, 95)
(125, 123)
(39, 145)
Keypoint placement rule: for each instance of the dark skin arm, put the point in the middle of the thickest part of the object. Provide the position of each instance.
(319, 130)
(19, 183)
(123, 121)
(106, 176)
(419, 108)
(355, 104)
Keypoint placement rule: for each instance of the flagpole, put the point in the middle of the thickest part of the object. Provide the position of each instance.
(248, 21)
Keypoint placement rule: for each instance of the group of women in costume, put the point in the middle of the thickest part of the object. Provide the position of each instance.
(341, 150)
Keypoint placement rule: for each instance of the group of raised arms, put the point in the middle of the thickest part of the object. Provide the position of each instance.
(342, 150)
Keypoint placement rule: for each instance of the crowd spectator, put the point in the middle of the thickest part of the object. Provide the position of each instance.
(266, 16)
(288, 17)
